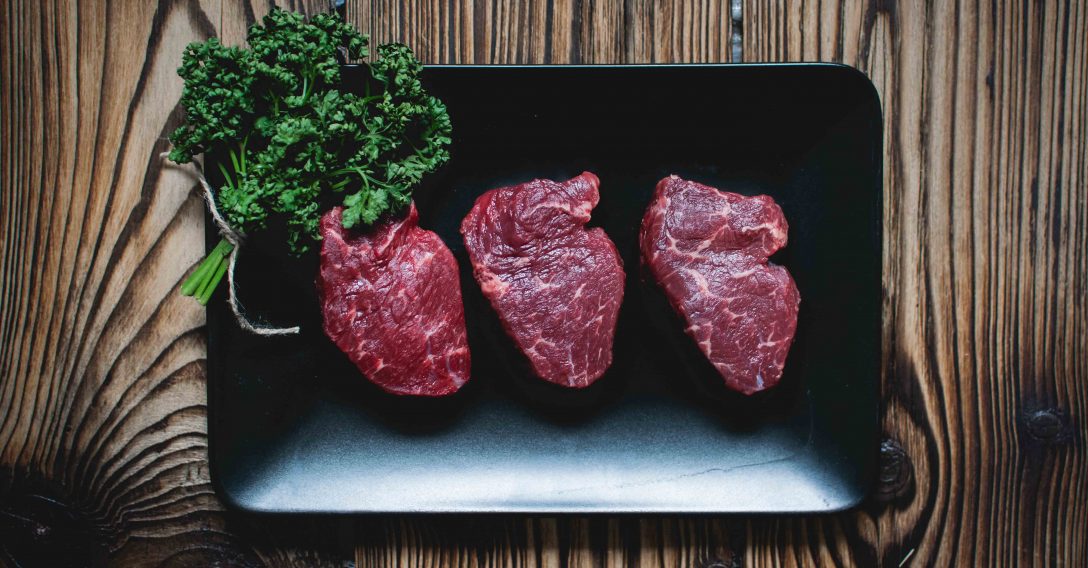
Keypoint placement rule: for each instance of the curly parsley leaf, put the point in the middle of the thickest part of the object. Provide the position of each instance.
(287, 135)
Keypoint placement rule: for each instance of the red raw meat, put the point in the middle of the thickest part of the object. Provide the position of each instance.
(391, 298)
(556, 285)
(708, 250)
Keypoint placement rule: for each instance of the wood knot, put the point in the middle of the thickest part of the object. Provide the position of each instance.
(716, 563)
(896, 477)
(37, 528)
(1048, 426)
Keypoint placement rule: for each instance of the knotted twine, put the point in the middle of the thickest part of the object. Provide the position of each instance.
(235, 238)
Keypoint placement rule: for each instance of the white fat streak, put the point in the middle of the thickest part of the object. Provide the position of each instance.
(700, 281)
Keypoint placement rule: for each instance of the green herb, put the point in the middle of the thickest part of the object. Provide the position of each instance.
(288, 135)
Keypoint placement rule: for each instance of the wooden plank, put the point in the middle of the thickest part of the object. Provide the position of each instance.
(102, 398)
(984, 274)
(102, 427)
(542, 542)
(551, 31)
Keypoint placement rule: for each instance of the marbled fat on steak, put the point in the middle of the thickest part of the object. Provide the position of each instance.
(556, 285)
(391, 298)
(708, 250)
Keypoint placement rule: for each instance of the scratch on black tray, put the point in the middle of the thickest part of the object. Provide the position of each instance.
(681, 476)
(807, 445)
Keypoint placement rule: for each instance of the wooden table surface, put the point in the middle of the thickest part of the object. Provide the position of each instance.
(985, 358)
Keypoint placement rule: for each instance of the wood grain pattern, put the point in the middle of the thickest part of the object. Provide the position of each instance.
(102, 397)
(575, 542)
(551, 31)
(986, 189)
(102, 424)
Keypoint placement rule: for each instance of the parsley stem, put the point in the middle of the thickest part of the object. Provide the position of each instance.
(226, 176)
(204, 277)
(216, 260)
(242, 156)
(307, 85)
(206, 294)
(196, 279)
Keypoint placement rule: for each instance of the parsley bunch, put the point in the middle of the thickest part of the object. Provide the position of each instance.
(288, 135)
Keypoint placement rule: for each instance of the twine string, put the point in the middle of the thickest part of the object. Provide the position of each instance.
(235, 239)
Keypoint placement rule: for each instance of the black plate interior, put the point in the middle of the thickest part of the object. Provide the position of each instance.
(294, 427)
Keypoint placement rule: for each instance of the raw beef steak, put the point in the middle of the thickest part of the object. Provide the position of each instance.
(391, 298)
(556, 285)
(708, 250)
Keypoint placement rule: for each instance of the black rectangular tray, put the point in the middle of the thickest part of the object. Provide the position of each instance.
(294, 427)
